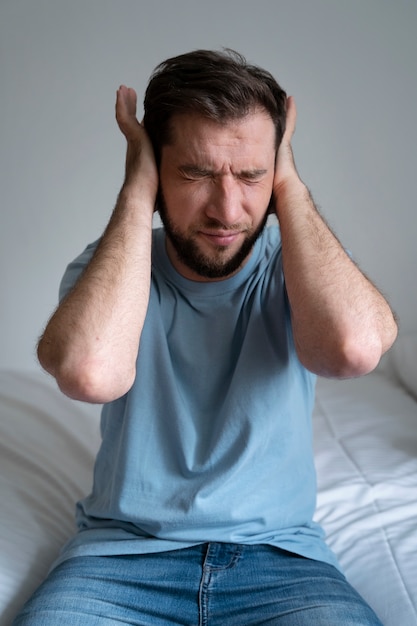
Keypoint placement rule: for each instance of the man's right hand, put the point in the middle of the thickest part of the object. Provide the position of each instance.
(126, 113)
(140, 160)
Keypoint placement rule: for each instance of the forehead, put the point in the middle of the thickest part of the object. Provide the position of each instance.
(196, 138)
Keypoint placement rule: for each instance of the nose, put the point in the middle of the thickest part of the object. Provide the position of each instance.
(225, 203)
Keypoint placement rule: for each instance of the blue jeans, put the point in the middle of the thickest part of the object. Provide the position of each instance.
(213, 584)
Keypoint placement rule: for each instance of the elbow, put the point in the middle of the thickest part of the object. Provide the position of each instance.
(93, 384)
(346, 350)
(360, 352)
(86, 379)
(354, 359)
(88, 385)
(349, 357)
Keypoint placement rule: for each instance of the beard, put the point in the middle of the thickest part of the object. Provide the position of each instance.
(189, 253)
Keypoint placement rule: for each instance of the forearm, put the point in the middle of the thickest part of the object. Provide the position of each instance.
(91, 342)
(342, 325)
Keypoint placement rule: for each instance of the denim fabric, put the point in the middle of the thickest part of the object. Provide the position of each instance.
(214, 584)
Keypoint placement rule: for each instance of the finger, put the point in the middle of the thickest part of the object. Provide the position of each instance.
(120, 97)
(131, 100)
(291, 117)
(126, 99)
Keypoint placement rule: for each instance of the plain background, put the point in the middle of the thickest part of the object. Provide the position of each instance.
(351, 65)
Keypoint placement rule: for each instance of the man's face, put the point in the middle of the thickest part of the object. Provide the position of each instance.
(215, 188)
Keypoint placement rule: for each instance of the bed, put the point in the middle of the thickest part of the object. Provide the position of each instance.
(365, 438)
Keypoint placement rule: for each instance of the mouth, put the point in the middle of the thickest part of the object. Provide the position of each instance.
(221, 238)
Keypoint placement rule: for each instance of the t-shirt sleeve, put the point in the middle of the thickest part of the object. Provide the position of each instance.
(75, 269)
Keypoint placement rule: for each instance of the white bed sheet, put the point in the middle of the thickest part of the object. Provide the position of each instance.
(366, 459)
(366, 455)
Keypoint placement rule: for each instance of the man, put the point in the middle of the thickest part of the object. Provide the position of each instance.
(203, 339)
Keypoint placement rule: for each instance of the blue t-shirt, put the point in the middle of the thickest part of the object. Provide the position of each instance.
(214, 441)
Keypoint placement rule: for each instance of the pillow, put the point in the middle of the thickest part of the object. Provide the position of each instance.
(403, 357)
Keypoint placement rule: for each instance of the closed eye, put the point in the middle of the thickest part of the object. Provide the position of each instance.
(252, 176)
(192, 172)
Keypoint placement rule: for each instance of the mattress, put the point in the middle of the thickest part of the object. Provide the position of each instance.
(365, 437)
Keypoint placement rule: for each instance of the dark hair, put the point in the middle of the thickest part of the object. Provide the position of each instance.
(218, 85)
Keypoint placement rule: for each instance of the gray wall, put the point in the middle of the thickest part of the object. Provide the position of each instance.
(351, 65)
